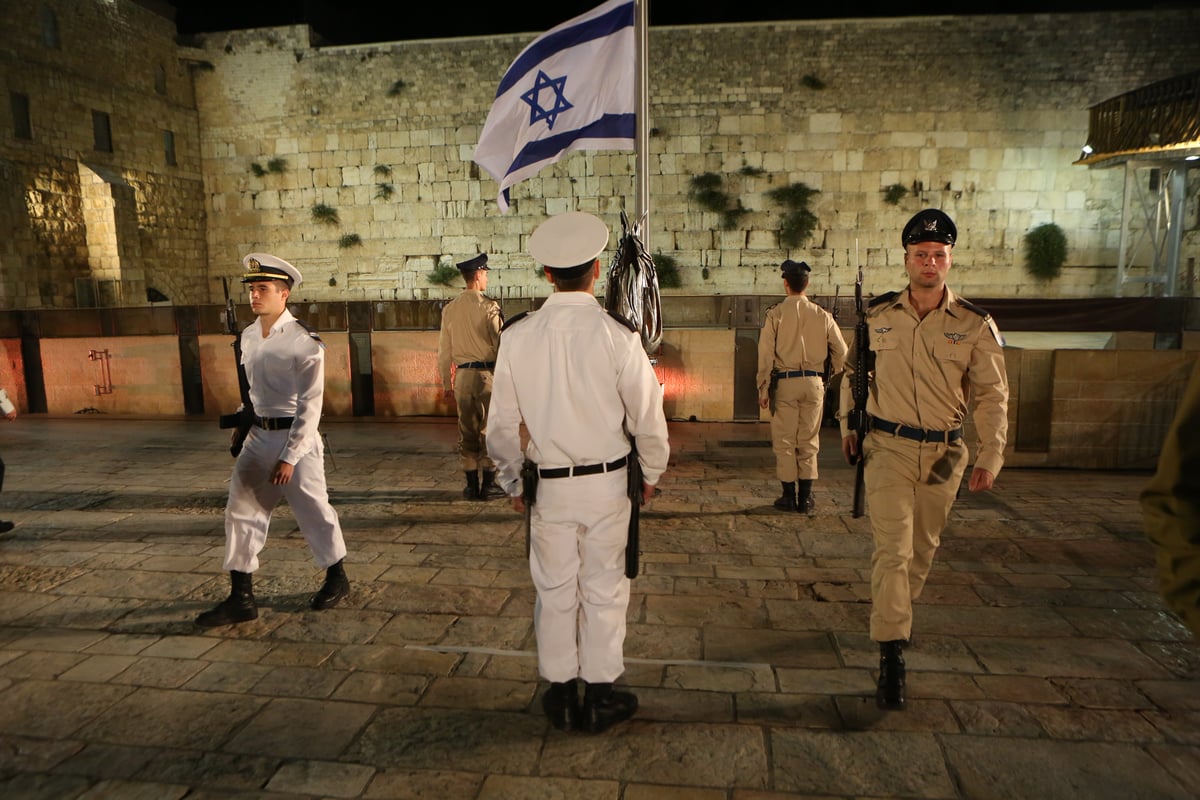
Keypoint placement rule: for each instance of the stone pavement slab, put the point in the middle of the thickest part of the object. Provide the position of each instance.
(1044, 666)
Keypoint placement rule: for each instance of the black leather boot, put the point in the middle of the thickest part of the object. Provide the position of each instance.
(889, 694)
(238, 607)
(603, 707)
(787, 502)
(472, 490)
(561, 704)
(488, 489)
(335, 588)
(804, 496)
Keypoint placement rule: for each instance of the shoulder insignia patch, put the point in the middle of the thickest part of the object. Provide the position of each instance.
(508, 323)
(972, 307)
(311, 330)
(623, 321)
(883, 298)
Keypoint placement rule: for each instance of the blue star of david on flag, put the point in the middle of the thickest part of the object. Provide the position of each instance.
(533, 98)
(597, 52)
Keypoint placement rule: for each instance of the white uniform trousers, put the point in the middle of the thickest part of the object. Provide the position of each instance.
(908, 514)
(577, 560)
(252, 498)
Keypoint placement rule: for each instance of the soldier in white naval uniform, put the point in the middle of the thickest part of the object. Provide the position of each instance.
(579, 380)
(283, 456)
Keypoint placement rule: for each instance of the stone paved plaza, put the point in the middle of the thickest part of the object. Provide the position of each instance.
(1044, 664)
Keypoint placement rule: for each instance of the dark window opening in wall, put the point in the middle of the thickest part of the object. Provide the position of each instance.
(22, 129)
(169, 147)
(85, 293)
(49, 27)
(101, 132)
(160, 79)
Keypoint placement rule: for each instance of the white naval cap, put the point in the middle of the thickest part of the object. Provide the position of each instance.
(568, 240)
(266, 267)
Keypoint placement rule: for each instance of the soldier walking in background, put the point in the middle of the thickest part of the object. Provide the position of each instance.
(9, 412)
(933, 354)
(796, 338)
(582, 384)
(283, 455)
(469, 337)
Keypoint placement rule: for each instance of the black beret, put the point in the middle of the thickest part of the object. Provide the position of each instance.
(472, 264)
(930, 225)
(794, 267)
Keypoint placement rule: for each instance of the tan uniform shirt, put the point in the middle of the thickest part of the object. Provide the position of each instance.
(797, 334)
(927, 370)
(470, 332)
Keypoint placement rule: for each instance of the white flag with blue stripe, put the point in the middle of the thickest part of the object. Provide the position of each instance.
(571, 89)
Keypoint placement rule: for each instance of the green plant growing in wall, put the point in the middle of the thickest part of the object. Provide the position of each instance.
(325, 214)
(750, 171)
(798, 222)
(350, 240)
(383, 170)
(667, 269)
(277, 165)
(706, 189)
(257, 169)
(383, 191)
(813, 82)
(396, 88)
(892, 195)
(1045, 251)
(443, 275)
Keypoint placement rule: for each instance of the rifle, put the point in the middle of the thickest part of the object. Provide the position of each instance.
(244, 418)
(529, 484)
(636, 497)
(858, 392)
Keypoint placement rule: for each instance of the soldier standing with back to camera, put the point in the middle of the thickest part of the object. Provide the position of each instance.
(283, 455)
(469, 337)
(796, 337)
(582, 384)
(933, 354)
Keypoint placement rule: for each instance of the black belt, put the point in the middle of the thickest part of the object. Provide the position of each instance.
(916, 434)
(586, 469)
(799, 373)
(478, 365)
(274, 423)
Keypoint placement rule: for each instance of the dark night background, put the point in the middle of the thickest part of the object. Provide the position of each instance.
(356, 21)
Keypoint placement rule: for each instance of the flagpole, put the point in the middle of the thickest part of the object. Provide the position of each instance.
(642, 101)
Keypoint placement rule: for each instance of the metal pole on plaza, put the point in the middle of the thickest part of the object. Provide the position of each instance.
(642, 106)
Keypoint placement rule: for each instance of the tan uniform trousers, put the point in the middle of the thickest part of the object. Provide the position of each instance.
(252, 499)
(907, 518)
(473, 393)
(796, 428)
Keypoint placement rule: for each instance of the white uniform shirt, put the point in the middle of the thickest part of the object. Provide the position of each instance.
(574, 376)
(6, 406)
(286, 370)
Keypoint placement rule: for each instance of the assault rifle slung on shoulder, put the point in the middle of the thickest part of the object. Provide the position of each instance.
(857, 418)
(243, 418)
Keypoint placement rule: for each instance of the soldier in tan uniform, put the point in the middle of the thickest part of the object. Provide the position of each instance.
(1171, 505)
(933, 353)
(796, 337)
(470, 335)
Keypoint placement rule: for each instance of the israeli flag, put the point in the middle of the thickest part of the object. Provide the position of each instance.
(571, 89)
